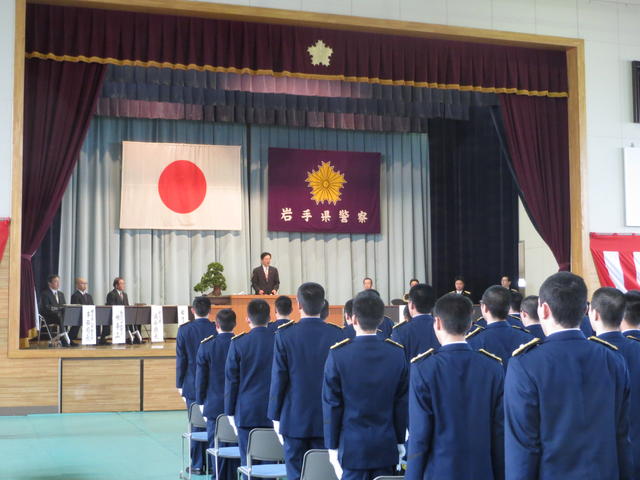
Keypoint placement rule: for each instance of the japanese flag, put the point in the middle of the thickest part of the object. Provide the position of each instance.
(177, 186)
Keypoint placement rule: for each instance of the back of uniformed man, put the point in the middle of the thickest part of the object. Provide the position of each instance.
(210, 361)
(284, 308)
(295, 402)
(417, 336)
(187, 342)
(455, 404)
(364, 397)
(499, 337)
(383, 331)
(630, 325)
(606, 312)
(248, 375)
(529, 315)
(566, 399)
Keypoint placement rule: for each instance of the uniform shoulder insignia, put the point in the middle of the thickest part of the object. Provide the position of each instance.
(422, 355)
(478, 319)
(467, 292)
(603, 342)
(288, 324)
(490, 355)
(334, 325)
(404, 322)
(238, 336)
(518, 327)
(393, 342)
(207, 339)
(473, 332)
(340, 343)
(525, 347)
(631, 337)
(452, 291)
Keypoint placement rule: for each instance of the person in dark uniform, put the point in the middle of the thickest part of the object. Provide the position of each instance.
(284, 308)
(606, 312)
(515, 304)
(505, 282)
(81, 296)
(210, 362)
(51, 307)
(118, 296)
(188, 340)
(248, 376)
(295, 401)
(499, 337)
(364, 424)
(630, 325)
(566, 399)
(529, 315)
(455, 404)
(265, 279)
(417, 336)
(458, 284)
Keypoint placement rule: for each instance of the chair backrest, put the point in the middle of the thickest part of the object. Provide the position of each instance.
(264, 445)
(224, 431)
(316, 466)
(389, 478)
(195, 416)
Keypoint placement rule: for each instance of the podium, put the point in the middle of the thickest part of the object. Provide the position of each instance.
(238, 303)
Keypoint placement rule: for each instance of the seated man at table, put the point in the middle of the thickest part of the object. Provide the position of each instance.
(118, 296)
(80, 297)
(52, 306)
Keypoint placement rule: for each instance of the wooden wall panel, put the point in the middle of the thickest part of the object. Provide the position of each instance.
(159, 385)
(108, 385)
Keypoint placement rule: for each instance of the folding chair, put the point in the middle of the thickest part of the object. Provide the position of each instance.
(54, 340)
(316, 466)
(264, 445)
(195, 420)
(224, 434)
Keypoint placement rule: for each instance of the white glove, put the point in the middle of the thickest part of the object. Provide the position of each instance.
(401, 452)
(276, 427)
(333, 459)
(180, 392)
(232, 421)
(202, 412)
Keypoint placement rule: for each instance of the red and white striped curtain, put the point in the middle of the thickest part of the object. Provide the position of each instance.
(617, 259)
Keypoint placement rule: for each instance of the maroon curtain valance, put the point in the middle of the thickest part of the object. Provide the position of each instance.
(142, 39)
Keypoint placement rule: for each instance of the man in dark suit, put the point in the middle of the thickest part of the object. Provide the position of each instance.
(265, 279)
(189, 337)
(364, 397)
(118, 296)
(299, 355)
(51, 307)
(417, 336)
(248, 376)
(566, 399)
(455, 404)
(80, 297)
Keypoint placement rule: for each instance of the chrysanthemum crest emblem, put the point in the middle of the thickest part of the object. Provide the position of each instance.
(325, 183)
(320, 53)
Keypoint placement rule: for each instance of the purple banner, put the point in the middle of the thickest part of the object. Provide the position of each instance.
(324, 191)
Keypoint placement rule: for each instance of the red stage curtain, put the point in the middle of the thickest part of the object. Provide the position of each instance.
(142, 39)
(537, 137)
(60, 98)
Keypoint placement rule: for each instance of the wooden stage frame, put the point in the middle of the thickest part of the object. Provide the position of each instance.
(581, 261)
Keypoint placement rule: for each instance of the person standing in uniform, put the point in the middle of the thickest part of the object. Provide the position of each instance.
(417, 336)
(284, 308)
(499, 337)
(265, 279)
(606, 312)
(248, 376)
(189, 337)
(631, 321)
(210, 362)
(295, 401)
(455, 404)
(364, 424)
(529, 315)
(566, 399)
(81, 296)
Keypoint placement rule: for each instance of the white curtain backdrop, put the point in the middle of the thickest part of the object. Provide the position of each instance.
(161, 267)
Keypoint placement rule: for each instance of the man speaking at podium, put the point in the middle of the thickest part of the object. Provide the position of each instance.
(265, 279)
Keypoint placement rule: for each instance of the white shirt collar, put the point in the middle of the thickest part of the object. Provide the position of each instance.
(563, 330)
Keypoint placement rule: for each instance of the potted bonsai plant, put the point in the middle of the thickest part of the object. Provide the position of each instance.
(213, 280)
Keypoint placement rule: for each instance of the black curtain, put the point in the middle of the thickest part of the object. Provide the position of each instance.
(46, 259)
(474, 206)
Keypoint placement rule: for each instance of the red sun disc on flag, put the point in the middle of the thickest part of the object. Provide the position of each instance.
(182, 186)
